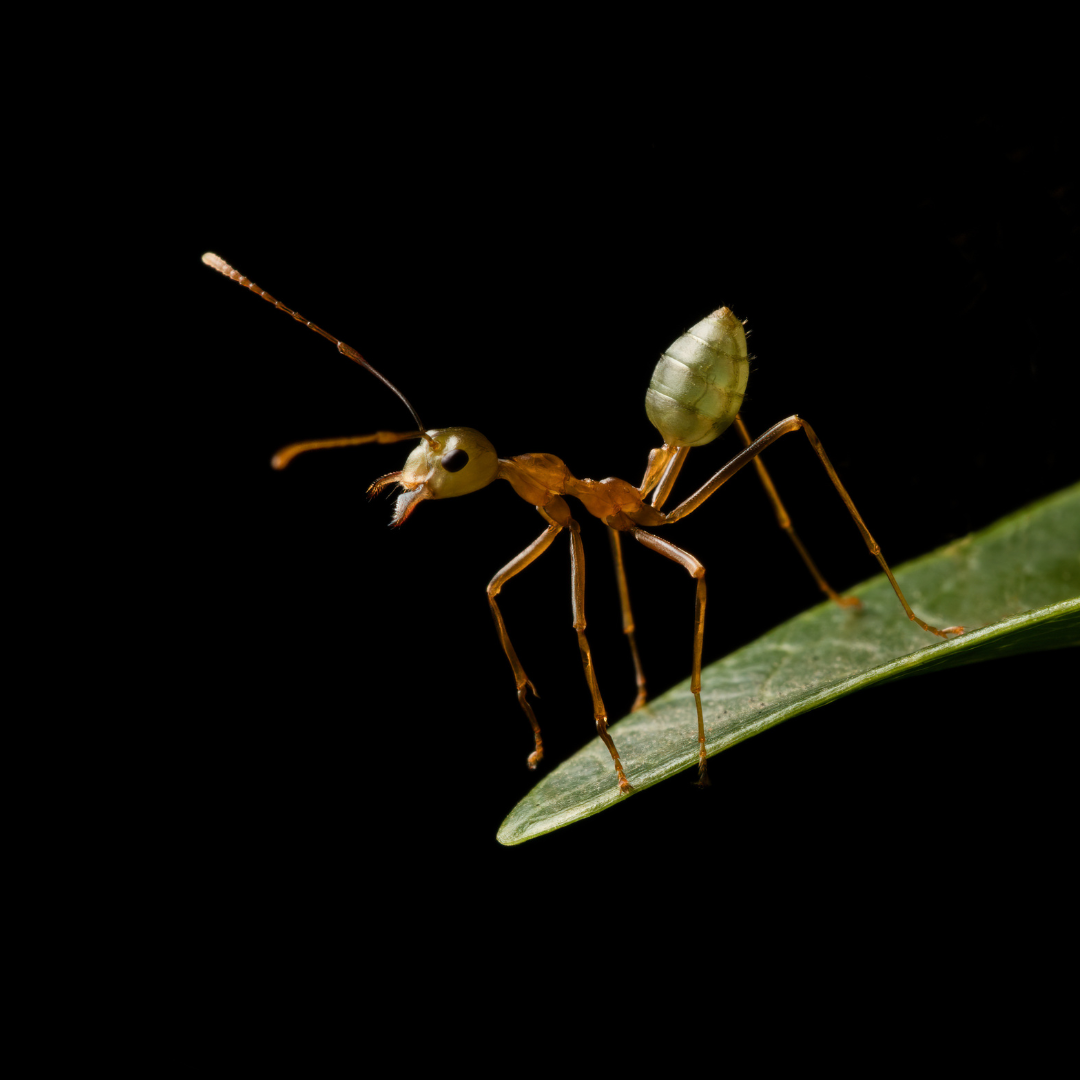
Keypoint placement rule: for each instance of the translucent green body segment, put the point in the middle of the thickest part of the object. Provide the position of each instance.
(698, 386)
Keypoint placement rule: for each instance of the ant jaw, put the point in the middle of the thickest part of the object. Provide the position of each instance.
(407, 502)
(412, 496)
(383, 482)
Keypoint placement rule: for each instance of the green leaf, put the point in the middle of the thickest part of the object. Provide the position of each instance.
(1014, 587)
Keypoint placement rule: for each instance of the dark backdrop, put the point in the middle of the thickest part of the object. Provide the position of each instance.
(908, 284)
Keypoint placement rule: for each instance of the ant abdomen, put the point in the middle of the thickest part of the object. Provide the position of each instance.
(698, 384)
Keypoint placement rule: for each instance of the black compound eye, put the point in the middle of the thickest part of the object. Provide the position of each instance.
(455, 461)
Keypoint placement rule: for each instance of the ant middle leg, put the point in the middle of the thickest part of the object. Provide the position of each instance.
(561, 513)
(627, 616)
(697, 571)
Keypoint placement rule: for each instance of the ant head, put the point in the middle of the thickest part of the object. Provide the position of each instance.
(448, 462)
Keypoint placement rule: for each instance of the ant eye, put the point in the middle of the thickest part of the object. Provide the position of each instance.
(455, 461)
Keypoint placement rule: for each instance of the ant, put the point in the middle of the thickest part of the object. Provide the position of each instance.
(695, 394)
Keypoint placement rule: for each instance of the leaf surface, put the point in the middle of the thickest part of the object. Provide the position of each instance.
(1014, 586)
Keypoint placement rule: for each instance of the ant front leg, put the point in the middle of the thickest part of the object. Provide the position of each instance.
(521, 680)
(558, 514)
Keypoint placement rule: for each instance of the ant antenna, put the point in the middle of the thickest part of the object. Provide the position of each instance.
(219, 264)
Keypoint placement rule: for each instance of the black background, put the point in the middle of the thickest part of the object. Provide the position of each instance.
(908, 284)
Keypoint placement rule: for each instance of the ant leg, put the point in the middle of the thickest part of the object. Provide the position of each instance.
(696, 571)
(521, 680)
(784, 522)
(665, 464)
(577, 575)
(744, 457)
(627, 616)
